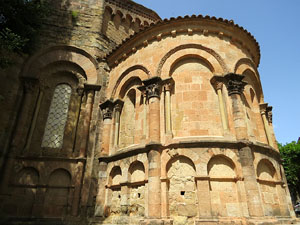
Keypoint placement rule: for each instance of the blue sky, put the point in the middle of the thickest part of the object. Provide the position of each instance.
(276, 26)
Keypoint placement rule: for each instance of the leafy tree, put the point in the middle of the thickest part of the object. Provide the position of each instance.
(20, 22)
(290, 153)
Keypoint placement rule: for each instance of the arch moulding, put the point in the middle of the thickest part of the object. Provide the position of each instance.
(64, 54)
(142, 73)
(191, 49)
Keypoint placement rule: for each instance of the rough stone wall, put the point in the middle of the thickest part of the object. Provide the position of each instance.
(70, 43)
(183, 201)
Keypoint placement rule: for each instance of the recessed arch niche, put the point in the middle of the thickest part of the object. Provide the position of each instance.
(57, 202)
(267, 176)
(194, 103)
(223, 188)
(137, 189)
(182, 191)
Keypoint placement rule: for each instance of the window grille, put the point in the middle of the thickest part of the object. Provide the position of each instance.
(57, 117)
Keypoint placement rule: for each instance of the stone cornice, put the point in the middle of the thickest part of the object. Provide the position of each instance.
(205, 143)
(190, 25)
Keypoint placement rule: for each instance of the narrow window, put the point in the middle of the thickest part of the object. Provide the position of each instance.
(57, 117)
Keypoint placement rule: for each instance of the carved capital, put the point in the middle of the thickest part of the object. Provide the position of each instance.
(93, 87)
(30, 84)
(107, 109)
(234, 83)
(152, 87)
(168, 84)
(118, 105)
(269, 114)
(217, 82)
(263, 108)
(80, 91)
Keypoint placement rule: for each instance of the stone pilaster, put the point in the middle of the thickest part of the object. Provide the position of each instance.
(107, 111)
(164, 198)
(84, 147)
(251, 186)
(235, 87)
(125, 196)
(204, 197)
(77, 185)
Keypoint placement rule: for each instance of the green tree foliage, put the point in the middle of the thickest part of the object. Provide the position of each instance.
(20, 22)
(290, 153)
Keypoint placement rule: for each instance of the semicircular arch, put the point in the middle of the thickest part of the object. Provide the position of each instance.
(196, 49)
(137, 72)
(246, 67)
(62, 54)
(266, 170)
(194, 57)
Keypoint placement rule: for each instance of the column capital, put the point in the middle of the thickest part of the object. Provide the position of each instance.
(263, 108)
(107, 109)
(80, 90)
(152, 87)
(234, 83)
(168, 84)
(118, 105)
(217, 82)
(29, 83)
(269, 114)
(93, 87)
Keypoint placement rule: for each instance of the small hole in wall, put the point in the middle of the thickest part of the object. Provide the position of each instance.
(119, 196)
(139, 195)
(182, 192)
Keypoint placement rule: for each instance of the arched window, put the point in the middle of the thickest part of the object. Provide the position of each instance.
(57, 117)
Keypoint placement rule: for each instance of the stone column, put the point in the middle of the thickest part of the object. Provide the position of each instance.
(107, 109)
(80, 114)
(217, 83)
(86, 148)
(263, 112)
(90, 90)
(118, 105)
(251, 186)
(144, 114)
(34, 119)
(20, 136)
(235, 86)
(153, 89)
(167, 86)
